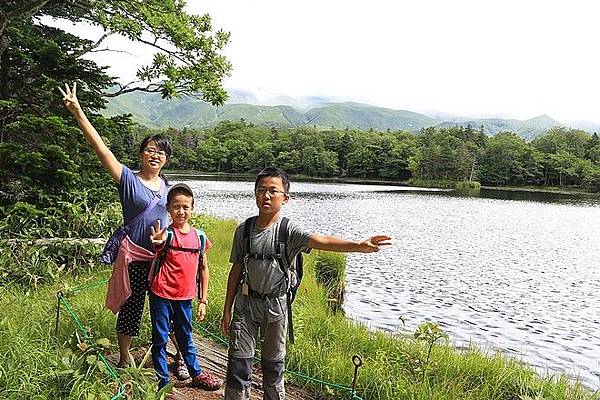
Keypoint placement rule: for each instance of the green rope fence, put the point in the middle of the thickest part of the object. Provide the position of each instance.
(220, 339)
(215, 337)
(87, 337)
(87, 286)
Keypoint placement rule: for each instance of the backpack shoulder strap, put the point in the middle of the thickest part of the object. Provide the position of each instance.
(201, 251)
(197, 249)
(168, 242)
(203, 241)
(281, 238)
(246, 237)
(160, 259)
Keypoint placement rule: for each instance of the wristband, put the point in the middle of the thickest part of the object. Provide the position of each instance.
(205, 302)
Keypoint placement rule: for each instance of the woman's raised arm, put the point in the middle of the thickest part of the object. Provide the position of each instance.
(108, 159)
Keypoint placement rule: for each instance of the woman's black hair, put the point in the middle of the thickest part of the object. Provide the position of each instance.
(163, 143)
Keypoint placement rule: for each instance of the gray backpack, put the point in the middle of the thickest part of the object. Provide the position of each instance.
(293, 276)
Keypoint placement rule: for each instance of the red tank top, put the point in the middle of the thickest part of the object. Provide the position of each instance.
(176, 279)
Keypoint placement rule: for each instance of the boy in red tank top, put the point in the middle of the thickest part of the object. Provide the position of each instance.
(178, 271)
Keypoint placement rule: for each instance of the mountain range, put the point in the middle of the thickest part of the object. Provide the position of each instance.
(151, 110)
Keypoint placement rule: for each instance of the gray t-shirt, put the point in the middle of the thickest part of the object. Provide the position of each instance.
(266, 276)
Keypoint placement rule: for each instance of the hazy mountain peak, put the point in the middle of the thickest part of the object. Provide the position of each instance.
(269, 109)
(543, 119)
(266, 98)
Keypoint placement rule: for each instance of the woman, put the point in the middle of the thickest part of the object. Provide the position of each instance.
(136, 192)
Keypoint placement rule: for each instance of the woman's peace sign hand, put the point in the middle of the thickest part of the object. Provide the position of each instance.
(70, 98)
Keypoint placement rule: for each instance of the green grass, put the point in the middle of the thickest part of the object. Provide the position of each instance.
(445, 184)
(30, 352)
(395, 366)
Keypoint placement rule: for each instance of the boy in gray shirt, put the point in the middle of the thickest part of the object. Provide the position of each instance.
(257, 286)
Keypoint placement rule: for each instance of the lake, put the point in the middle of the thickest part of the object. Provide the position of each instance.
(510, 271)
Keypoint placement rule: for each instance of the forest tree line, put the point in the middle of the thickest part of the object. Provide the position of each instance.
(561, 157)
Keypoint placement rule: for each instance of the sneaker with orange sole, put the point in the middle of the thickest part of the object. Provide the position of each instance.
(206, 381)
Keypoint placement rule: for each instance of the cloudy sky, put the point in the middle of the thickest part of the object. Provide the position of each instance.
(473, 58)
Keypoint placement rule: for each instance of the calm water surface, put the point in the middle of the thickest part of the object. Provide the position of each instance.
(518, 272)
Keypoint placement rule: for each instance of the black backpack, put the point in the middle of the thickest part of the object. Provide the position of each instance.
(158, 261)
(292, 277)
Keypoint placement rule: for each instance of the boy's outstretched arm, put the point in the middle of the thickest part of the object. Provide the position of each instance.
(233, 282)
(332, 243)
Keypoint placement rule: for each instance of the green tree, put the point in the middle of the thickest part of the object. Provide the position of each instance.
(45, 159)
(396, 164)
(362, 161)
(289, 161)
(573, 141)
(187, 57)
(565, 156)
(210, 154)
(447, 153)
(261, 155)
(509, 160)
(238, 152)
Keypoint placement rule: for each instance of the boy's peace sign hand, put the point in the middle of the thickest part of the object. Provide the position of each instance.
(374, 243)
(158, 236)
(70, 98)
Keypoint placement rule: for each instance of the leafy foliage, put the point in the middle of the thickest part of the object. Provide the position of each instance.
(44, 160)
(30, 265)
(446, 156)
(187, 57)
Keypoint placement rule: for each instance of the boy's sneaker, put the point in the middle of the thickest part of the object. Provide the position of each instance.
(181, 371)
(206, 381)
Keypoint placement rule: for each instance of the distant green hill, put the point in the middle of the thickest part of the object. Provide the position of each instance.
(363, 116)
(150, 110)
(261, 115)
(527, 129)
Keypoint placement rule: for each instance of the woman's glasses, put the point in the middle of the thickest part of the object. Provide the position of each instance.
(151, 151)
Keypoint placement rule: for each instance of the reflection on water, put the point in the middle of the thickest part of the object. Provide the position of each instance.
(519, 275)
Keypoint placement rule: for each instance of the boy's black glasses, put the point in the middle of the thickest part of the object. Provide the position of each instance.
(271, 192)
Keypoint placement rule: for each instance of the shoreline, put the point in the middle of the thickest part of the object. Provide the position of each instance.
(360, 181)
(295, 178)
(549, 190)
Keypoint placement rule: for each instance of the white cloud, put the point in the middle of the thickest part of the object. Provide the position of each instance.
(475, 58)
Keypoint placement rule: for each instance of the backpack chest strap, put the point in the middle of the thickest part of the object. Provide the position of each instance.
(264, 296)
(188, 250)
(263, 257)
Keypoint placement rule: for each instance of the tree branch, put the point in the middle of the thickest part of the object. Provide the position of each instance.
(170, 52)
(111, 50)
(151, 88)
(26, 11)
(92, 46)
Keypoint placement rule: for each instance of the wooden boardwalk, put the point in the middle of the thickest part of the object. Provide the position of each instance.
(213, 358)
